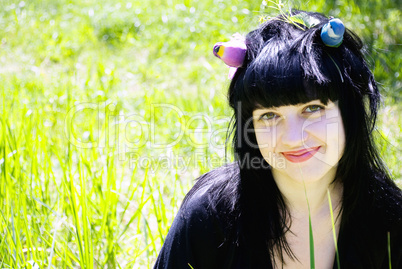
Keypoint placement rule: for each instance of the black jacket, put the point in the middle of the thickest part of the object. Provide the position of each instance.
(199, 237)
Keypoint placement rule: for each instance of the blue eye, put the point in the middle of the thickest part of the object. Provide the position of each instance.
(269, 116)
(314, 108)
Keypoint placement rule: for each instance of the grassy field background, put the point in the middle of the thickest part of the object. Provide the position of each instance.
(111, 109)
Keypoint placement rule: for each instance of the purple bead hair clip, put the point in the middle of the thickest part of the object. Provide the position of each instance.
(232, 53)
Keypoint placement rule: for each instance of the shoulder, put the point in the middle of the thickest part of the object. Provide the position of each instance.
(212, 201)
(380, 212)
(214, 190)
(387, 201)
(388, 216)
(199, 231)
(385, 216)
(374, 229)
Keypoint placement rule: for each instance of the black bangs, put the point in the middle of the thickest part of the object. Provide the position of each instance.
(289, 66)
(278, 78)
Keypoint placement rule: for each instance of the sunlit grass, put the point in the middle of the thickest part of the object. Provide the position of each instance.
(109, 111)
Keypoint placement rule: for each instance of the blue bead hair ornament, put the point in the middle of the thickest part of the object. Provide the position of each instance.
(332, 33)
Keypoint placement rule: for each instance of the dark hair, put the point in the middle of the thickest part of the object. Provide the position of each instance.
(286, 65)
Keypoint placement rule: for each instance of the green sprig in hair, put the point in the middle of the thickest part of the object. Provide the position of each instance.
(299, 20)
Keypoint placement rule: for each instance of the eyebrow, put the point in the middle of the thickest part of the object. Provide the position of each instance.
(260, 107)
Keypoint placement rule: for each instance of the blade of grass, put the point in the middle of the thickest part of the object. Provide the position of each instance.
(137, 214)
(333, 229)
(389, 249)
(310, 228)
(132, 192)
(74, 209)
(157, 214)
(66, 252)
(85, 221)
(311, 239)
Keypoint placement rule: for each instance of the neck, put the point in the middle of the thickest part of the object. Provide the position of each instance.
(302, 197)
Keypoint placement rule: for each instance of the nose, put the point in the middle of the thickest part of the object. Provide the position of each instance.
(292, 133)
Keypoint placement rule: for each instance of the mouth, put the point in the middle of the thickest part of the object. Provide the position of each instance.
(302, 155)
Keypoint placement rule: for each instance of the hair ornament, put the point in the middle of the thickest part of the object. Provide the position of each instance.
(332, 33)
(232, 53)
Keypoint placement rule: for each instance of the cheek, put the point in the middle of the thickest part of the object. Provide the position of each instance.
(336, 135)
(327, 130)
(265, 139)
(338, 139)
(332, 135)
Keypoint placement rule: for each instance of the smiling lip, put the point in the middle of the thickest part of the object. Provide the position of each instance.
(299, 156)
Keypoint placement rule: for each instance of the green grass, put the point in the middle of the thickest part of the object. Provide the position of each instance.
(111, 109)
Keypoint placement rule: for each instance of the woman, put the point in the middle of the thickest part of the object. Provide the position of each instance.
(305, 105)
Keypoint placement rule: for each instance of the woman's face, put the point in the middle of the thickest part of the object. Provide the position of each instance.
(302, 142)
